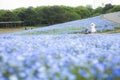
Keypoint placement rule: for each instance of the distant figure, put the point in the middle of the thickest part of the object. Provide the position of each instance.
(93, 30)
(25, 28)
(87, 31)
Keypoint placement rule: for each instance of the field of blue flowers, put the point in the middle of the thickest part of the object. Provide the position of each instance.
(34, 55)
(73, 27)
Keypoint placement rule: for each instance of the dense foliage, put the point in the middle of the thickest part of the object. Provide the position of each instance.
(53, 14)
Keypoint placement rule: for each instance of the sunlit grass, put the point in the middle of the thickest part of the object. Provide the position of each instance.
(55, 31)
(116, 30)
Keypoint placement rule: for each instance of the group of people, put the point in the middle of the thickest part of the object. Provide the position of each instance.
(92, 29)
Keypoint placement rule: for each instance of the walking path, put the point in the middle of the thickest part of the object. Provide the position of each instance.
(114, 17)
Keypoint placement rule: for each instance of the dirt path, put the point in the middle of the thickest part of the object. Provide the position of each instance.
(10, 30)
(114, 17)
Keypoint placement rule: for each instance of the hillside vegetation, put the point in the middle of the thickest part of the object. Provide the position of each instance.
(49, 15)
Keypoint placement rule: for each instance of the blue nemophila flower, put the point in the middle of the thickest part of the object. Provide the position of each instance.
(84, 73)
(60, 57)
(13, 77)
(116, 72)
(70, 27)
(22, 74)
(100, 67)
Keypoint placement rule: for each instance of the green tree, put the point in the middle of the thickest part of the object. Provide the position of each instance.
(52, 15)
(70, 16)
(89, 7)
(7, 16)
(97, 11)
(1, 14)
(17, 11)
(70, 13)
(82, 11)
(28, 16)
(39, 19)
(107, 7)
(115, 8)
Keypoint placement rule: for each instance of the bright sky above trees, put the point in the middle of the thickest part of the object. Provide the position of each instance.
(13, 4)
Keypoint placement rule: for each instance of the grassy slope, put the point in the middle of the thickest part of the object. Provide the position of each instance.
(117, 30)
(8, 30)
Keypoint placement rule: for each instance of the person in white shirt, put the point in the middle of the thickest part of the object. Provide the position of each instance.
(93, 30)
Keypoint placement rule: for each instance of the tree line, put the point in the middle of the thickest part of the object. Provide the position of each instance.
(48, 15)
